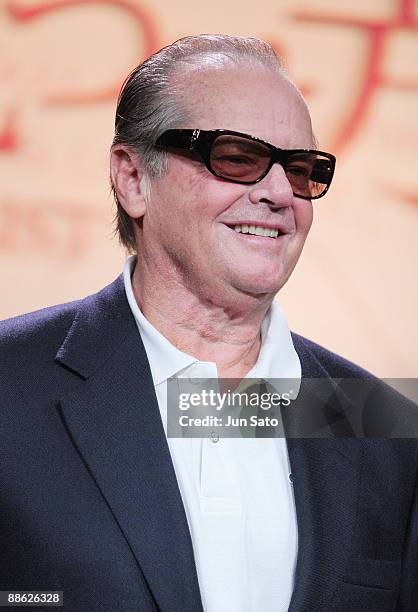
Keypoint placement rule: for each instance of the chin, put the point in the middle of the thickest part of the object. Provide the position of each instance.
(266, 279)
(260, 286)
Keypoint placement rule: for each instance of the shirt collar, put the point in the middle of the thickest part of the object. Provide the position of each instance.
(277, 358)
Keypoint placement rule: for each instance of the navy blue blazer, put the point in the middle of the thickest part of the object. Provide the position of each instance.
(89, 502)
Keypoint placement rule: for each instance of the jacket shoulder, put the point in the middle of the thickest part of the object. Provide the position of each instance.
(53, 321)
(31, 340)
(39, 324)
(380, 408)
(31, 344)
(335, 365)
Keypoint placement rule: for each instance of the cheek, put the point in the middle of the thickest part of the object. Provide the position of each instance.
(303, 211)
(189, 196)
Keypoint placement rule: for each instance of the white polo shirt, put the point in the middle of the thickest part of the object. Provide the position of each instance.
(236, 493)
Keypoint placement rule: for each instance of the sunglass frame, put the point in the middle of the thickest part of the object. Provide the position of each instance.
(201, 141)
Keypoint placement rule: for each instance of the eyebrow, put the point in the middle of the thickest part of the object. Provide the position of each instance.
(247, 144)
(300, 156)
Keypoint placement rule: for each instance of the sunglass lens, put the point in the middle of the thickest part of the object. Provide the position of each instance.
(241, 159)
(309, 173)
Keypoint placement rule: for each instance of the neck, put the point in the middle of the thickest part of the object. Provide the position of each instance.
(221, 326)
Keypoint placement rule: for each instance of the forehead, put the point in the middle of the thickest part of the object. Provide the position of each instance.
(250, 99)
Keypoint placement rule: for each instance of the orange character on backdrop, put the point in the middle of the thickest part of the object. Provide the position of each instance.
(373, 78)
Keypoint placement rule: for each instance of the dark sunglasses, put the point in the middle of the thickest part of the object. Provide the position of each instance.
(240, 158)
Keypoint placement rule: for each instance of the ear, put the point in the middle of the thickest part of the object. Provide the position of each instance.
(129, 181)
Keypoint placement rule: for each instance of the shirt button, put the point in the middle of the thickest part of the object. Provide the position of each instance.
(214, 436)
(291, 478)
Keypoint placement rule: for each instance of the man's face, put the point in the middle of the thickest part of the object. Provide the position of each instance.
(188, 226)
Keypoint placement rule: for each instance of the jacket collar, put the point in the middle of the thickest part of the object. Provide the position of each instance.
(102, 324)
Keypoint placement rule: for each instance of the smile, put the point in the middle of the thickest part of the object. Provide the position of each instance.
(256, 230)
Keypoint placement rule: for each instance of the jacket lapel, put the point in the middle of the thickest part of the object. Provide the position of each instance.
(113, 418)
(325, 480)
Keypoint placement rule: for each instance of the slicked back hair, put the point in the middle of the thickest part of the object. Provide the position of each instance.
(150, 101)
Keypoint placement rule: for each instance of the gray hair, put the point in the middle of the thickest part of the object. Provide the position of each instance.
(150, 100)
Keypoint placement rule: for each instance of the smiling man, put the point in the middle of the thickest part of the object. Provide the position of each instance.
(215, 170)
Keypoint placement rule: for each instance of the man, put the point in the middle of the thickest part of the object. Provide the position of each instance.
(214, 168)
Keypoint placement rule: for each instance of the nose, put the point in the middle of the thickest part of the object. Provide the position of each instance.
(274, 189)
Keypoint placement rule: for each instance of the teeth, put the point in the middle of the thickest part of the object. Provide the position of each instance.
(256, 230)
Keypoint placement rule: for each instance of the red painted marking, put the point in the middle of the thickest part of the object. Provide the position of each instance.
(409, 197)
(145, 26)
(407, 11)
(399, 194)
(370, 82)
(413, 198)
(9, 141)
